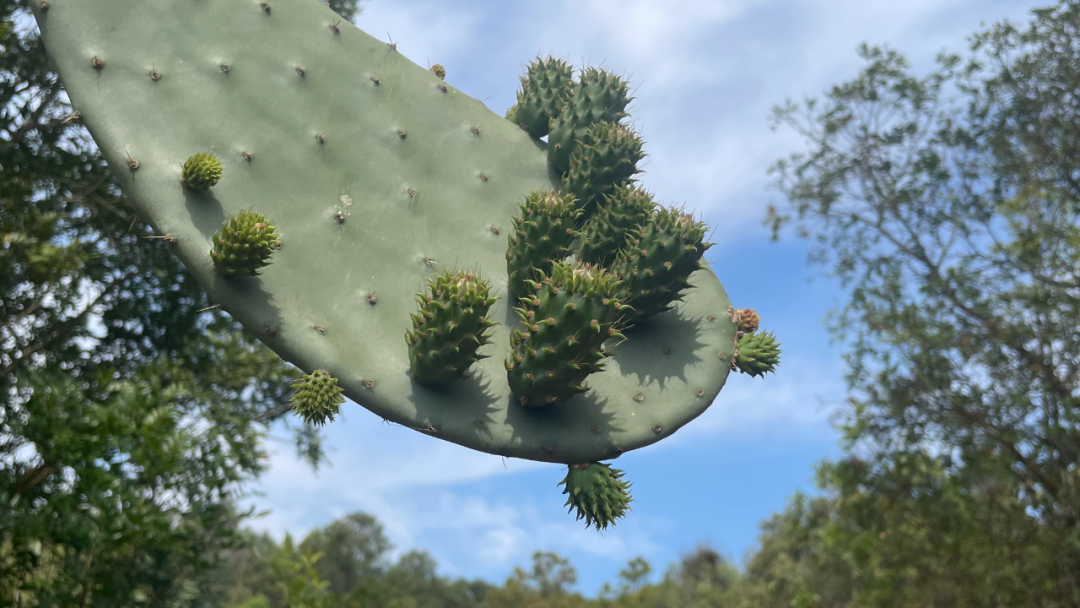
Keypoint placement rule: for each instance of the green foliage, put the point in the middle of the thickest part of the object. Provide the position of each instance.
(125, 439)
(947, 204)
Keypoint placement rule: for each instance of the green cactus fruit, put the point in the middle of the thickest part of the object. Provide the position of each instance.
(597, 492)
(598, 97)
(316, 398)
(624, 211)
(439, 71)
(450, 327)
(657, 262)
(606, 157)
(573, 312)
(545, 88)
(244, 244)
(381, 176)
(202, 171)
(542, 234)
(748, 320)
(758, 354)
(511, 113)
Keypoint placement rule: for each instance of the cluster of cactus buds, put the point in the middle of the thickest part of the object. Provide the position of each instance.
(758, 353)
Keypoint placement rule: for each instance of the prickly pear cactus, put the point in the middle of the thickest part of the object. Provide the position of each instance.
(451, 325)
(379, 175)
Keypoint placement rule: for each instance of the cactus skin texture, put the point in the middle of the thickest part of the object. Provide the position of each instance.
(450, 327)
(656, 265)
(543, 232)
(201, 171)
(597, 492)
(317, 398)
(623, 213)
(758, 354)
(411, 206)
(606, 158)
(244, 244)
(545, 89)
(598, 97)
(574, 311)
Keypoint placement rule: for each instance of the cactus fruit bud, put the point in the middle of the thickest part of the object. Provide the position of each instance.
(244, 244)
(575, 310)
(449, 328)
(748, 320)
(758, 354)
(316, 398)
(606, 157)
(599, 97)
(201, 171)
(542, 234)
(623, 213)
(657, 262)
(598, 493)
(546, 87)
(439, 71)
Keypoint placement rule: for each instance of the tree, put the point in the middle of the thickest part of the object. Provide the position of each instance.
(124, 441)
(947, 206)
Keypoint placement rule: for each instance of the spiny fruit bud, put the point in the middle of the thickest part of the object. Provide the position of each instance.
(316, 398)
(542, 234)
(201, 171)
(606, 158)
(657, 262)
(598, 493)
(450, 327)
(573, 312)
(244, 244)
(439, 71)
(623, 213)
(545, 88)
(599, 97)
(758, 354)
(748, 320)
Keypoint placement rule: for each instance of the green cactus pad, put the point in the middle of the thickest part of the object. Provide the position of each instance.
(201, 171)
(379, 175)
(450, 327)
(316, 398)
(244, 244)
(606, 158)
(542, 234)
(547, 85)
(575, 310)
(598, 97)
(597, 492)
(656, 265)
(759, 354)
(623, 213)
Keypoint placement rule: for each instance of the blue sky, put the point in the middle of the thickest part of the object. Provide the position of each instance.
(705, 74)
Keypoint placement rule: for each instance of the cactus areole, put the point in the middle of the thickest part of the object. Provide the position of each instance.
(378, 176)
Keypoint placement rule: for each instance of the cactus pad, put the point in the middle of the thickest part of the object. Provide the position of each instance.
(317, 398)
(379, 175)
(201, 171)
(244, 244)
(451, 325)
(597, 492)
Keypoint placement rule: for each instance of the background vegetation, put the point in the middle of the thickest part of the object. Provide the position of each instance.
(946, 204)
